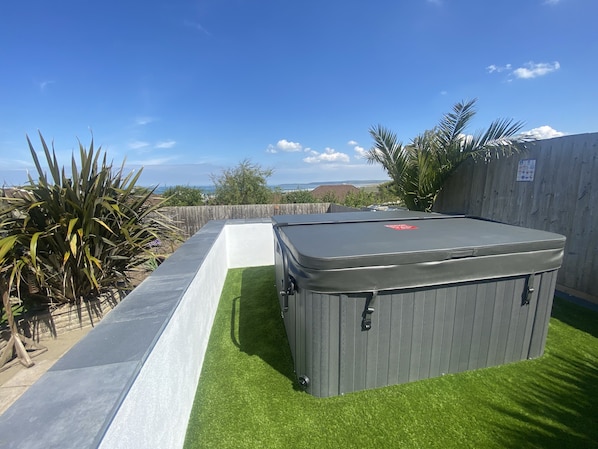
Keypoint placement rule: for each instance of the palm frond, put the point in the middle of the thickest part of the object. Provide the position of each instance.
(500, 139)
(453, 124)
(390, 153)
(420, 169)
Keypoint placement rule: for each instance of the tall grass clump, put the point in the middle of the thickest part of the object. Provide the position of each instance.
(68, 237)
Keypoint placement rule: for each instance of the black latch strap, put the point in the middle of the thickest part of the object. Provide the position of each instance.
(529, 291)
(366, 316)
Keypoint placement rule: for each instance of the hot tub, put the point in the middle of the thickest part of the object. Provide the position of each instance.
(371, 299)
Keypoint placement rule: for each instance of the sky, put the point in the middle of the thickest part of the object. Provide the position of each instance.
(185, 89)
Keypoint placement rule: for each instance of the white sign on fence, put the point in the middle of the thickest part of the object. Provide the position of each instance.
(526, 170)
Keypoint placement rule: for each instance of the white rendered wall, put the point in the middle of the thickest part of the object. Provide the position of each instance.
(250, 244)
(156, 409)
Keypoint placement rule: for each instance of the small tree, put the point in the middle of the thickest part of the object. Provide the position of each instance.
(183, 196)
(243, 184)
(420, 169)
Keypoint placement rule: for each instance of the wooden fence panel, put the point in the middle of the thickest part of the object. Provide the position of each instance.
(562, 198)
(190, 219)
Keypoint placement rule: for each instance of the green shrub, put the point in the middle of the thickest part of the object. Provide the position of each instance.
(68, 238)
(329, 197)
(387, 194)
(298, 196)
(360, 198)
(183, 196)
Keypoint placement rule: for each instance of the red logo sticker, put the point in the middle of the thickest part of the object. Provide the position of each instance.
(401, 227)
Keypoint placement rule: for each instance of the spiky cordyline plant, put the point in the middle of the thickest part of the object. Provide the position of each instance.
(420, 169)
(72, 237)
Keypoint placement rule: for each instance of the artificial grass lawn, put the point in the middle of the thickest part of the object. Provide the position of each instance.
(248, 397)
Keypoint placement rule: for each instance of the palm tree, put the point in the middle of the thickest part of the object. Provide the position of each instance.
(420, 169)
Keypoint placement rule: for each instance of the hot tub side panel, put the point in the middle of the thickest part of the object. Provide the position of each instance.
(416, 333)
(316, 320)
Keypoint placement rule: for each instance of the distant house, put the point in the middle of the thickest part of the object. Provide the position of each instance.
(338, 192)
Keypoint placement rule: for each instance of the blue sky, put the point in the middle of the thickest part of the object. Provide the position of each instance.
(187, 88)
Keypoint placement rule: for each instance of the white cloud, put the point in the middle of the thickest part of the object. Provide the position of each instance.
(197, 26)
(552, 2)
(138, 144)
(498, 68)
(543, 132)
(144, 120)
(527, 71)
(286, 146)
(152, 161)
(166, 144)
(361, 152)
(533, 70)
(329, 155)
(44, 84)
(162, 144)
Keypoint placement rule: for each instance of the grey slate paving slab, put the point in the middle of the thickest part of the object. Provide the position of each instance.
(66, 409)
(111, 343)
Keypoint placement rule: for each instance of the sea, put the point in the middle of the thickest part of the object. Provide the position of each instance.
(292, 187)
